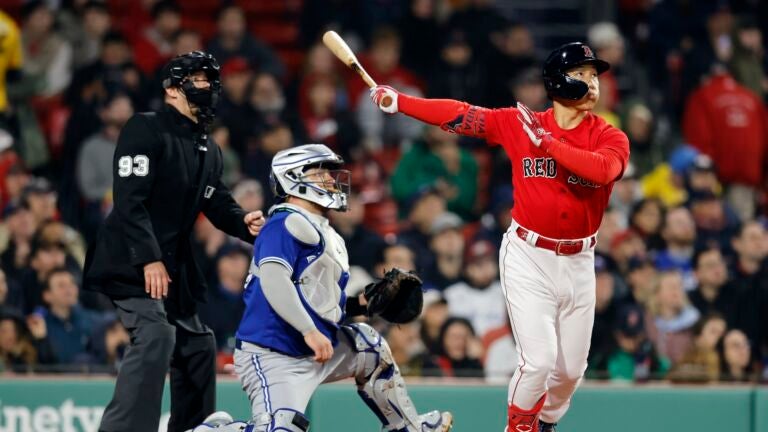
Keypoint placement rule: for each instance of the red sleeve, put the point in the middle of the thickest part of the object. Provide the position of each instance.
(764, 180)
(696, 125)
(146, 56)
(601, 166)
(457, 117)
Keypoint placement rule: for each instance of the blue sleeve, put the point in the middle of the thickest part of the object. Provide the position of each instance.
(276, 244)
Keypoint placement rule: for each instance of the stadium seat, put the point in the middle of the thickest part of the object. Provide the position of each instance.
(273, 8)
(381, 217)
(276, 34)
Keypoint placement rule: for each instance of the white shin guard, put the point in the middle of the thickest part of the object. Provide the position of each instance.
(379, 382)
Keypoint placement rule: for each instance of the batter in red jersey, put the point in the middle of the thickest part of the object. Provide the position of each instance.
(564, 164)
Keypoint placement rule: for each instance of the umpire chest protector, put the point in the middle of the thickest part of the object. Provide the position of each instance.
(166, 171)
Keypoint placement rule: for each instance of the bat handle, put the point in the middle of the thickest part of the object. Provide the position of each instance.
(386, 101)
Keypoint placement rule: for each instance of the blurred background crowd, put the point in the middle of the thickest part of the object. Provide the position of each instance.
(682, 274)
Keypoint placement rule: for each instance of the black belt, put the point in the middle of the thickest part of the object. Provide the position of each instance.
(239, 345)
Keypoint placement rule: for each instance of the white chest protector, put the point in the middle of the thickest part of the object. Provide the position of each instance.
(319, 281)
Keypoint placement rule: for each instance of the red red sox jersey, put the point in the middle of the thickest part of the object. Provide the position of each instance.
(561, 189)
(549, 198)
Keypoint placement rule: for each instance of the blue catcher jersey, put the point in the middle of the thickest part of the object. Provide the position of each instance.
(260, 324)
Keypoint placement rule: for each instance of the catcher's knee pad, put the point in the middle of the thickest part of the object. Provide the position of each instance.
(372, 349)
(379, 382)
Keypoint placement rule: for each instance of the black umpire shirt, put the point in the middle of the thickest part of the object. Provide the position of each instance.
(165, 173)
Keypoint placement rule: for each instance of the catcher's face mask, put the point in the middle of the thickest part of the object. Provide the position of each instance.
(311, 172)
(335, 181)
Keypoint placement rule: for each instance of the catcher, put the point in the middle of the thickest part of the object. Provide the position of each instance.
(290, 339)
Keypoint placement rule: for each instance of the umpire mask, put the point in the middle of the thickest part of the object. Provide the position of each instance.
(177, 73)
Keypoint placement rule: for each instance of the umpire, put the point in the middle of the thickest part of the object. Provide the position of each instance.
(166, 171)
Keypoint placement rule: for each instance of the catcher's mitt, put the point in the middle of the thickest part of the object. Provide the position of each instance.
(397, 298)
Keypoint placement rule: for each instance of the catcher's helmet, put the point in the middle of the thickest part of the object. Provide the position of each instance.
(288, 176)
(568, 56)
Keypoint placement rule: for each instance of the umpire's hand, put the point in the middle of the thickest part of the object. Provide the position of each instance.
(156, 280)
(254, 221)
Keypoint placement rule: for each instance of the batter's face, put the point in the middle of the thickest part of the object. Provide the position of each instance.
(587, 74)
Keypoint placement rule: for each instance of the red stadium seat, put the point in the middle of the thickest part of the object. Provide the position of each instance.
(263, 8)
(469, 230)
(293, 58)
(381, 217)
(206, 26)
(388, 157)
(276, 34)
(12, 8)
(200, 9)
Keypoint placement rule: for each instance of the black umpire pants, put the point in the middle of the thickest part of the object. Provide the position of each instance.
(157, 343)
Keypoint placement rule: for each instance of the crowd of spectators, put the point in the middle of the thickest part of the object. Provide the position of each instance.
(682, 253)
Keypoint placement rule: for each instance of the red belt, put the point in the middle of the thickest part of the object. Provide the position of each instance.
(559, 247)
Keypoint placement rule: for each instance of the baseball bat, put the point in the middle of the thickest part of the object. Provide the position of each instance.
(341, 50)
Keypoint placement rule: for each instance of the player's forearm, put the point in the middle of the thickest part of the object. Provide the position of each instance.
(282, 296)
(451, 115)
(597, 167)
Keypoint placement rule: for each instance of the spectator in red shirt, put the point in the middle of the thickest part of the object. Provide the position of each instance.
(726, 121)
(233, 40)
(155, 45)
(8, 159)
(382, 62)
